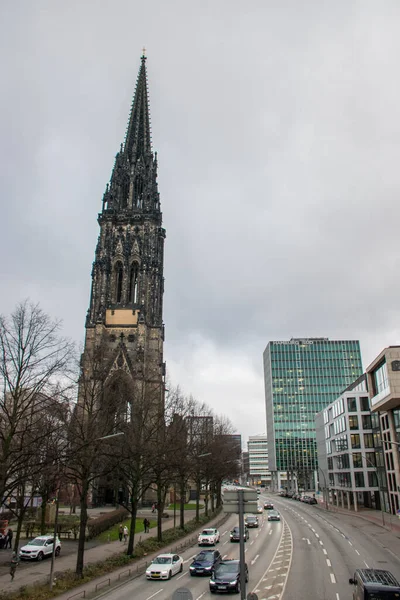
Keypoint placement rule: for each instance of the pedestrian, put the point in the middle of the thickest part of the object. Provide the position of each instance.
(153, 508)
(13, 565)
(120, 532)
(146, 524)
(126, 533)
(3, 541)
(9, 538)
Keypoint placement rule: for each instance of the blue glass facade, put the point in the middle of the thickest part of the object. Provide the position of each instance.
(303, 376)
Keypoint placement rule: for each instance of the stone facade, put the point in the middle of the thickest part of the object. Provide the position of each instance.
(124, 318)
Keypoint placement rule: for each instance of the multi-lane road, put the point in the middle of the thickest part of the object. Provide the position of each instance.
(309, 554)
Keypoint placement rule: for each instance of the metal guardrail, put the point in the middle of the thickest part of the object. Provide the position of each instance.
(78, 594)
(102, 582)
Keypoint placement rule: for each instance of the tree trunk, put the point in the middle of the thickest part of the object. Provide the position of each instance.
(82, 531)
(43, 530)
(182, 504)
(198, 484)
(133, 511)
(212, 497)
(160, 510)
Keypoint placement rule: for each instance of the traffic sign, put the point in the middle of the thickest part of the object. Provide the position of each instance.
(232, 495)
(233, 507)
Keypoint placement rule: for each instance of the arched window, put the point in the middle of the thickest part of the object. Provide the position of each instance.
(138, 191)
(119, 274)
(133, 283)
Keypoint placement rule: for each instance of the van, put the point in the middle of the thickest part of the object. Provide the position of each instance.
(374, 584)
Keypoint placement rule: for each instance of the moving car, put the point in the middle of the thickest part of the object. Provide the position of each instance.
(40, 547)
(274, 515)
(226, 576)
(164, 566)
(235, 535)
(208, 537)
(251, 521)
(310, 500)
(259, 508)
(268, 506)
(374, 584)
(204, 562)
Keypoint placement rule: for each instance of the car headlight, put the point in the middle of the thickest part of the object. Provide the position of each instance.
(207, 568)
(233, 582)
(192, 568)
(212, 581)
(164, 572)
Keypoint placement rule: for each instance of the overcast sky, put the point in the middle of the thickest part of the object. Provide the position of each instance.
(277, 129)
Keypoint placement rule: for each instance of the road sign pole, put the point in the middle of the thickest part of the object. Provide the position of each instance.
(241, 540)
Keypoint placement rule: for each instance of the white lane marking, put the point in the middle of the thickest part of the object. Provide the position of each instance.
(350, 542)
(324, 551)
(306, 540)
(316, 535)
(322, 543)
(270, 532)
(254, 559)
(342, 534)
(183, 575)
(201, 595)
(337, 596)
(187, 560)
(328, 562)
(357, 551)
(152, 596)
(366, 564)
(333, 578)
(225, 543)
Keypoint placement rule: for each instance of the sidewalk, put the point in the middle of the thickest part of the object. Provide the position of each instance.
(39, 573)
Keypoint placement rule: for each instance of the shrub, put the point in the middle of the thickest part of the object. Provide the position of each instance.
(104, 522)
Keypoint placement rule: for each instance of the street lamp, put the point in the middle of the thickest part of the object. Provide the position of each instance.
(325, 489)
(381, 493)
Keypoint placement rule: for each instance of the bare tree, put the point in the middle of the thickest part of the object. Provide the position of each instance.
(34, 362)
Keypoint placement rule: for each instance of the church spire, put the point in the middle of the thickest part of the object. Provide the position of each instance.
(133, 185)
(138, 139)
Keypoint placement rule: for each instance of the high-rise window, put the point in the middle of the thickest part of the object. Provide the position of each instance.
(357, 460)
(368, 440)
(355, 440)
(366, 422)
(353, 422)
(364, 403)
(351, 404)
(359, 479)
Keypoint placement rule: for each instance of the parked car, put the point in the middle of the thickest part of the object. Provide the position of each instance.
(235, 535)
(204, 562)
(208, 537)
(374, 583)
(39, 548)
(164, 566)
(251, 521)
(226, 576)
(310, 500)
(268, 506)
(273, 515)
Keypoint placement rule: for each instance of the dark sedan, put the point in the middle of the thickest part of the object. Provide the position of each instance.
(268, 506)
(235, 535)
(204, 562)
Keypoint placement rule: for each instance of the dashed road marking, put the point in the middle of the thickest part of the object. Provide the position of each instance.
(328, 562)
(366, 564)
(357, 551)
(333, 578)
(324, 551)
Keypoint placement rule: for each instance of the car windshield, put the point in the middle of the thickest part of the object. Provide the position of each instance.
(207, 532)
(229, 568)
(382, 595)
(274, 512)
(251, 519)
(37, 542)
(162, 560)
(204, 556)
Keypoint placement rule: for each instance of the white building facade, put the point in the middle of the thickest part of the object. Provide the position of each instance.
(257, 447)
(346, 454)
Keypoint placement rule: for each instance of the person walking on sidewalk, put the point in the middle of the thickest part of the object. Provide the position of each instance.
(9, 538)
(13, 565)
(120, 532)
(126, 533)
(146, 525)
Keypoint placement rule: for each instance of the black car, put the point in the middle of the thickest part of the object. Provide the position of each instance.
(235, 535)
(226, 576)
(268, 506)
(374, 583)
(204, 562)
(251, 521)
(310, 500)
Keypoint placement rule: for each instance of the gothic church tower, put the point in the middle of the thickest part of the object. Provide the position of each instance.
(126, 302)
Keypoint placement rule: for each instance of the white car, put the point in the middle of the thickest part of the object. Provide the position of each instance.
(40, 547)
(208, 537)
(260, 509)
(164, 566)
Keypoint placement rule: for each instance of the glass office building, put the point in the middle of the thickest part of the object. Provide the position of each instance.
(302, 376)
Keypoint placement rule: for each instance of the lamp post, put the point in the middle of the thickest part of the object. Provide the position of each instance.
(325, 489)
(381, 493)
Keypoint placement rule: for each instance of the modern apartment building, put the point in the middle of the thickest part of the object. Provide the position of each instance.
(302, 376)
(346, 454)
(257, 447)
(383, 378)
